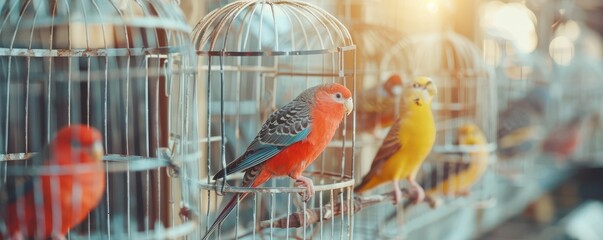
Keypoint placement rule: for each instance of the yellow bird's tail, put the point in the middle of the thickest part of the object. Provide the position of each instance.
(366, 184)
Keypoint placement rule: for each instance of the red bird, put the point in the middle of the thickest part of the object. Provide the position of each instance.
(45, 205)
(289, 141)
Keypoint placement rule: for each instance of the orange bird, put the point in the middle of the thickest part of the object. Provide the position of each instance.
(49, 204)
(377, 108)
(289, 141)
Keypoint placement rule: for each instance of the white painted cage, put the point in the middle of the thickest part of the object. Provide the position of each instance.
(124, 67)
(254, 57)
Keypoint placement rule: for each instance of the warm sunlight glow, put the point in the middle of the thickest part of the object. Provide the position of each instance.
(514, 20)
(561, 50)
(592, 44)
(491, 52)
(432, 6)
(569, 29)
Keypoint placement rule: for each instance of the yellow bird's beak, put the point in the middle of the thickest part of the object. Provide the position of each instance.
(97, 151)
(417, 101)
(432, 89)
(349, 106)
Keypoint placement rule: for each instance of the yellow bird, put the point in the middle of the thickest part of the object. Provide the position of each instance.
(407, 143)
(457, 177)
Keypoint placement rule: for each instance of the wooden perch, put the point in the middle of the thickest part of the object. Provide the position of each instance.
(296, 220)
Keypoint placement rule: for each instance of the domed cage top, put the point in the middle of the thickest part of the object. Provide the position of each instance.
(466, 97)
(285, 28)
(123, 67)
(255, 56)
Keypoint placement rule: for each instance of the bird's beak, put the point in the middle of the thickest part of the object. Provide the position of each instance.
(97, 151)
(432, 89)
(349, 106)
(417, 101)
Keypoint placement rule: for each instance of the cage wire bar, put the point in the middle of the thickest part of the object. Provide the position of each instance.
(466, 95)
(256, 56)
(124, 67)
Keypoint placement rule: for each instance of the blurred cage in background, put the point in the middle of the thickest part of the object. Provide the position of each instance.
(378, 96)
(378, 101)
(466, 95)
(517, 73)
(581, 99)
(124, 67)
(378, 90)
(523, 80)
(255, 56)
(575, 52)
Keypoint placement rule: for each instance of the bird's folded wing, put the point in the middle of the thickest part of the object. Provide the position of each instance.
(288, 125)
(388, 148)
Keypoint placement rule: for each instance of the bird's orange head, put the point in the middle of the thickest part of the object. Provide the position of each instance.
(335, 95)
(78, 144)
(393, 85)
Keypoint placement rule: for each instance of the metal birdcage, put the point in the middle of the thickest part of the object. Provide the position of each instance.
(523, 75)
(254, 57)
(581, 87)
(124, 67)
(576, 83)
(517, 75)
(466, 95)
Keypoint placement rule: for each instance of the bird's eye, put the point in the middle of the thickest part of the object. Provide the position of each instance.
(415, 85)
(338, 95)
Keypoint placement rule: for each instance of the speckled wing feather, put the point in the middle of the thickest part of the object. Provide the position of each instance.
(390, 146)
(288, 125)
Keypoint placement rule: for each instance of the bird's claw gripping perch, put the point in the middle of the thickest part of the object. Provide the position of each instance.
(306, 183)
(418, 194)
(187, 214)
